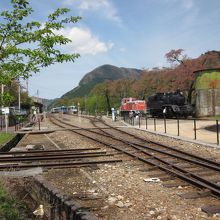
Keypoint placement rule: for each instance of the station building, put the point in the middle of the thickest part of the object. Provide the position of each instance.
(37, 104)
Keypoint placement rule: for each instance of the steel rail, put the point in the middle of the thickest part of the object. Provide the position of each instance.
(203, 162)
(170, 168)
(56, 157)
(50, 155)
(58, 165)
(210, 166)
(167, 147)
(47, 151)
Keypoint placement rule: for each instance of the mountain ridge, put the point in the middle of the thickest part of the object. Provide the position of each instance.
(98, 75)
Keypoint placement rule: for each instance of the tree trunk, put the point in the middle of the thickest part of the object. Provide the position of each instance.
(108, 101)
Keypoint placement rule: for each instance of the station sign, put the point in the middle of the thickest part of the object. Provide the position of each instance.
(5, 110)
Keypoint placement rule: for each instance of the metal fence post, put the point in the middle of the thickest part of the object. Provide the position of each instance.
(155, 124)
(217, 132)
(178, 127)
(15, 122)
(165, 125)
(146, 122)
(39, 123)
(194, 128)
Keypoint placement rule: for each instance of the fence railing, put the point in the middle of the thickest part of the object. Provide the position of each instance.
(197, 129)
(12, 124)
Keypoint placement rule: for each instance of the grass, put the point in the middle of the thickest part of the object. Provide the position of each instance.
(8, 208)
(5, 137)
(215, 118)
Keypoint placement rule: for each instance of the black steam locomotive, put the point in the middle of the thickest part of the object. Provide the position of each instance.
(171, 104)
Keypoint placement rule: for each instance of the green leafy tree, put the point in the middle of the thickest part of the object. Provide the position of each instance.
(26, 47)
(103, 92)
(7, 98)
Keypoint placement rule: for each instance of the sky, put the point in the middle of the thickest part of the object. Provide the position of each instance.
(124, 33)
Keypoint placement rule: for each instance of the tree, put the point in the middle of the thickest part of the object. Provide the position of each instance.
(176, 56)
(13, 90)
(26, 47)
(102, 91)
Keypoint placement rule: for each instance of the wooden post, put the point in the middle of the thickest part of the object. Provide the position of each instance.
(178, 127)
(217, 132)
(155, 128)
(194, 128)
(146, 122)
(165, 125)
(39, 123)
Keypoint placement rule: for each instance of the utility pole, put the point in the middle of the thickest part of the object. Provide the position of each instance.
(19, 96)
(2, 93)
(6, 116)
(27, 86)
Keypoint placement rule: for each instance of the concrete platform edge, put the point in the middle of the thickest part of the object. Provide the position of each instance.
(175, 137)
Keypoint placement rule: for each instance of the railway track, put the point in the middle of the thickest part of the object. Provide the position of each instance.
(51, 159)
(197, 171)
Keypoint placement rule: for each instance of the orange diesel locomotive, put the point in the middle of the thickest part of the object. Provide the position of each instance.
(132, 105)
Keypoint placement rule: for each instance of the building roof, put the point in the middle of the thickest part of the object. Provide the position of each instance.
(206, 70)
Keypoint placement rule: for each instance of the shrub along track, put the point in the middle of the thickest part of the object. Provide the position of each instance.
(197, 171)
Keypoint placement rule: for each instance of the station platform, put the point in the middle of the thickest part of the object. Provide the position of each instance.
(188, 131)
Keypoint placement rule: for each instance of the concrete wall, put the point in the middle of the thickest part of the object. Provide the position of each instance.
(56, 205)
(207, 87)
(207, 102)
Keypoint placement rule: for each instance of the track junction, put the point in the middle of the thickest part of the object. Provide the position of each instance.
(144, 165)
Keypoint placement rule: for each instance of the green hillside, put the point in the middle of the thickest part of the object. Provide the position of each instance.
(99, 75)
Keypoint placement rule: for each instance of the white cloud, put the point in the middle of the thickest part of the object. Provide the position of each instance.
(68, 2)
(105, 7)
(84, 42)
(188, 4)
(122, 49)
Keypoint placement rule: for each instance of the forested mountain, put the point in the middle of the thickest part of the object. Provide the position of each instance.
(47, 103)
(104, 87)
(99, 75)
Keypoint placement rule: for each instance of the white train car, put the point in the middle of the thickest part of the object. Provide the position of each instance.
(55, 110)
(72, 109)
(61, 109)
